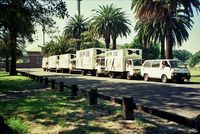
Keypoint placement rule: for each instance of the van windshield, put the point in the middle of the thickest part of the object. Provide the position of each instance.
(177, 64)
(137, 62)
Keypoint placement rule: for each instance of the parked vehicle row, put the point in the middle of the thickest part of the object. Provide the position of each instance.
(125, 63)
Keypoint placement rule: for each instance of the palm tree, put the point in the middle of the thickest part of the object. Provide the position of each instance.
(75, 27)
(120, 27)
(175, 17)
(110, 21)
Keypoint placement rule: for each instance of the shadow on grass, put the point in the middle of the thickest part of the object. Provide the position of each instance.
(85, 129)
(16, 83)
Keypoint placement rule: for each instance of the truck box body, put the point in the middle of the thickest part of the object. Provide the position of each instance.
(65, 60)
(53, 62)
(115, 60)
(45, 62)
(86, 59)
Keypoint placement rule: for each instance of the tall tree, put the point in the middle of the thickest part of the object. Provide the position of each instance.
(170, 12)
(21, 16)
(109, 21)
(75, 27)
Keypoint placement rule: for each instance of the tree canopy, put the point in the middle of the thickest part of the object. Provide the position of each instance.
(20, 17)
(151, 52)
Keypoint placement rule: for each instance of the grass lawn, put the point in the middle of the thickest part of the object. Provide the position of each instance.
(53, 112)
(16, 83)
(195, 76)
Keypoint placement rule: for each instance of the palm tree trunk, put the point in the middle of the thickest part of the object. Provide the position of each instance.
(162, 49)
(13, 45)
(107, 41)
(169, 45)
(114, 43)
(78, 47)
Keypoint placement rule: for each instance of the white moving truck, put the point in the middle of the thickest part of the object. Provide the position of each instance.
(65, 61)
(123, 62)
(91, 61)
(45, 63)
(53, 62)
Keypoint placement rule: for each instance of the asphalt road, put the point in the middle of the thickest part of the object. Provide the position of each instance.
(182, 99)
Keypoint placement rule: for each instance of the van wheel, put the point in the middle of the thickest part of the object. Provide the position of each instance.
(128, 76)
(146, 77)
(112, 75)
(164, 78)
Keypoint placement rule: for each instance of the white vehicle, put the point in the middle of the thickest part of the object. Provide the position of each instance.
(53, 62)
(165, 70)
(65, 62)
(45, 63)
(91, 61)
(123, 62)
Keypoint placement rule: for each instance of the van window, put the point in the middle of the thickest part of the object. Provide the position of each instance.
(156, 64)
(147, 64)
(177, 64)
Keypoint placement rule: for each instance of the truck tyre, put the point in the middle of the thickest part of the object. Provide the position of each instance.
(164, 78)
(70, 71)
(97, 74)
(83, 72)
(146, 77)
(128, 76)
(112, 75)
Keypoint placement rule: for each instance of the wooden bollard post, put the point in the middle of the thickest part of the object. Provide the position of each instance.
(52, 84)
(127, 108)
(92, 96)
(61, 85)
(74, 90)
(41, 79)
(46, 81)
(198, 124)
(37, 78)
(33, 77)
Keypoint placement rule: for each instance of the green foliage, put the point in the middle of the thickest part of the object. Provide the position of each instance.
(18, 125)
(57, 47)
(152, 52)
(110, 22)
(182, 55)
(164, 21)
(75, 27)
(195, 59)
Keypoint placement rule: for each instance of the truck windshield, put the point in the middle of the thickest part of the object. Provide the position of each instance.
(137, 62)
(177, 64)
(102, 62)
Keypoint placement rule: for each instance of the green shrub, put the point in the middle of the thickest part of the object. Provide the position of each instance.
(17, 125)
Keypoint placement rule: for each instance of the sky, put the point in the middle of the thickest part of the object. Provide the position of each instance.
(192, 44)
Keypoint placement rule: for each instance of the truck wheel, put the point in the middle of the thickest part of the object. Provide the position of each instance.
(146, 77)
(70, 71)
(97, 74)
(164, 78)
(112, 75)
(83, 72)
(128, 76)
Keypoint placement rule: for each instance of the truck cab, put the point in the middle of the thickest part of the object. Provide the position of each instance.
(133, 68)
(100, 66)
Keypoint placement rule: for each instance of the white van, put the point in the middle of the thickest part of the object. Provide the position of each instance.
(166, 69)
